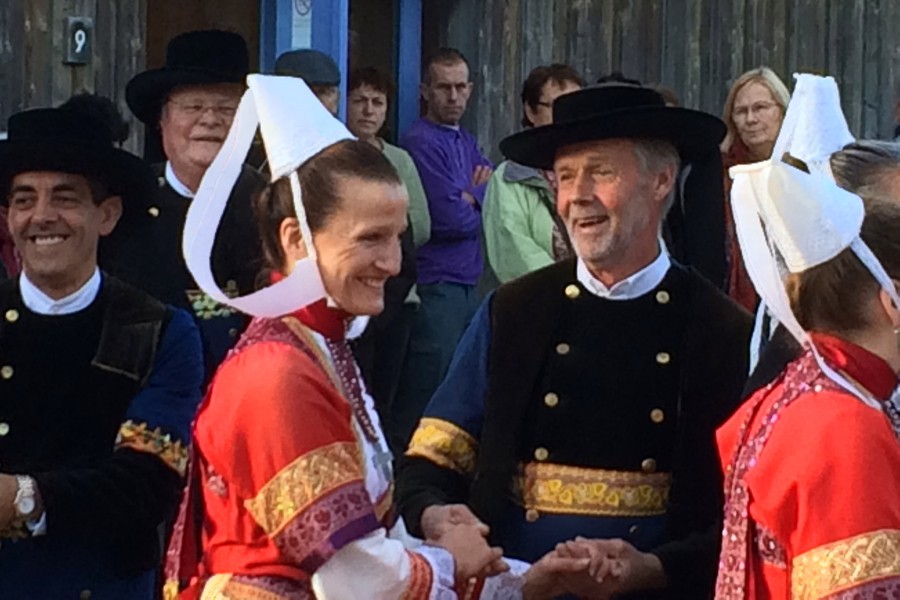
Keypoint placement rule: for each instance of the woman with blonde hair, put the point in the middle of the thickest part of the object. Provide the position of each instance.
(753, 114)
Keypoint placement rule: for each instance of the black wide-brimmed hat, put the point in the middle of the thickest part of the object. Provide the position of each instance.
(614, 110)
(70, 141)
(193, 58)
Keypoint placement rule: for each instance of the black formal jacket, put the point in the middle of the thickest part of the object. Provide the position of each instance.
(525, 321)
(68, 386)
(145, 250)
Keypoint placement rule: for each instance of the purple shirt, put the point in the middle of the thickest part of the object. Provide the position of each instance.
(446, 159)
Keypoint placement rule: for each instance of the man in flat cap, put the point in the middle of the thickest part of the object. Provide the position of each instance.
(99, 381)
(191, 101)
(318, 70)
(583, 399)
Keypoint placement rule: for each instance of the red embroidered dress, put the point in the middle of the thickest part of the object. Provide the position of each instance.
(293, 481)
(813, 485)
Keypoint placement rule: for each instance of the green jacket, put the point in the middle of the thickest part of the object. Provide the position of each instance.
(518, 225)
(419, 218)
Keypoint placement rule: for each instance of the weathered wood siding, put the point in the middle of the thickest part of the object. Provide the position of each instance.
(32, 48)
(697, 47)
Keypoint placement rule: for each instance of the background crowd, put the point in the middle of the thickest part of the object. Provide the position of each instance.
(460, 332)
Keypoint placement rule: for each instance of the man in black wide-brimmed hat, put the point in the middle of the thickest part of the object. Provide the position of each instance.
(98, 380)
(191, 101)
(584, 398)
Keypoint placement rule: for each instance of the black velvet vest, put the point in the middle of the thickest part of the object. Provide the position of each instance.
(68, 380)
(616, 368)
(603, 373)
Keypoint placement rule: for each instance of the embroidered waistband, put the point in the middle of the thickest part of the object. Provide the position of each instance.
(563, 489)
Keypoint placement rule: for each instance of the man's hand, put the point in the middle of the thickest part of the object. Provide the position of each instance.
(472, 555)
(470, 199)
(544, 579)
(437, 520)
(481, 175)
(616, 567)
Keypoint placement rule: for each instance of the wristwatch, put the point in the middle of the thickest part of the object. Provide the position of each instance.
(24, 501)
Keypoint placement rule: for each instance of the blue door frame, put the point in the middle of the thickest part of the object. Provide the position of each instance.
(330, 34)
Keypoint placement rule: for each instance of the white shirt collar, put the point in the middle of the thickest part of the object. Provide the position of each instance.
(172, 180)
(631, 287)
(38, 302)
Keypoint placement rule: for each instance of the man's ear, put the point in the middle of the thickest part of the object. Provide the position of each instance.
(110, 213)
(664, 182)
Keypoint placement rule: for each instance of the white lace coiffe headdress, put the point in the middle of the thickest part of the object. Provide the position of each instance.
(294, 127)
(802, 219)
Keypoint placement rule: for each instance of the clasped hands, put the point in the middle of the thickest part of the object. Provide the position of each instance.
(593, 569)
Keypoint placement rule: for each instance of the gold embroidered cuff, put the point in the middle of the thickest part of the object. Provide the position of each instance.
(138, 436)
(846, 564)
(562, 489)
(445, 444)
(302, 482)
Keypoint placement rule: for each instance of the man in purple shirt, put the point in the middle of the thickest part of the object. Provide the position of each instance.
(454, 174)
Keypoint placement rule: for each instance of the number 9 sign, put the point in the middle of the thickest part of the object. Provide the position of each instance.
(79, 34)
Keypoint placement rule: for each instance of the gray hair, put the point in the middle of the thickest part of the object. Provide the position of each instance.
(655, 155)
(866, 168)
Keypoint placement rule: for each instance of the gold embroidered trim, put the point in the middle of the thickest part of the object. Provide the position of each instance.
(301, 483)
(206, 308)
(444, 444)
(563, 489)
(845, 564)
(138, 436)
(170, 590)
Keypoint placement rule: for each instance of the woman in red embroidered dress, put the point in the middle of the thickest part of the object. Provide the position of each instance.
(291, 473)
(812, 462)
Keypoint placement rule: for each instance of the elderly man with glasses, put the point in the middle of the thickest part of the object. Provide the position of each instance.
(191, 101)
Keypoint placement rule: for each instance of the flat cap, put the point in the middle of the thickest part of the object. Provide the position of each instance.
(312, 66)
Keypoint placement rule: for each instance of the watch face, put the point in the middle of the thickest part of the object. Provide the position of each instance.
(26, 506)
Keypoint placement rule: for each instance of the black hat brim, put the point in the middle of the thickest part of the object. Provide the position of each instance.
(693, 133)
(123, 173)
(146, 91)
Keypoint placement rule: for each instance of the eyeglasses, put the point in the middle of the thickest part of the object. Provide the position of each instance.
(195, 109)
(744, 111)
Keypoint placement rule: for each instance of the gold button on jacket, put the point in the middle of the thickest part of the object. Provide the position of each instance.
(541, 454)
(648, 465)
(12, 315)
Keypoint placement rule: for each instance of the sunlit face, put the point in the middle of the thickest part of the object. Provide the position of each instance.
(56, 225)
(195, 121)
(366, 112)
(447, 94)
(756, 115)
(609, 204)
(359, 245)
(542, 114)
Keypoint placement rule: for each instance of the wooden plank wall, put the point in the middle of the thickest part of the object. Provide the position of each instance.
(32, 73)
(697, 47)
